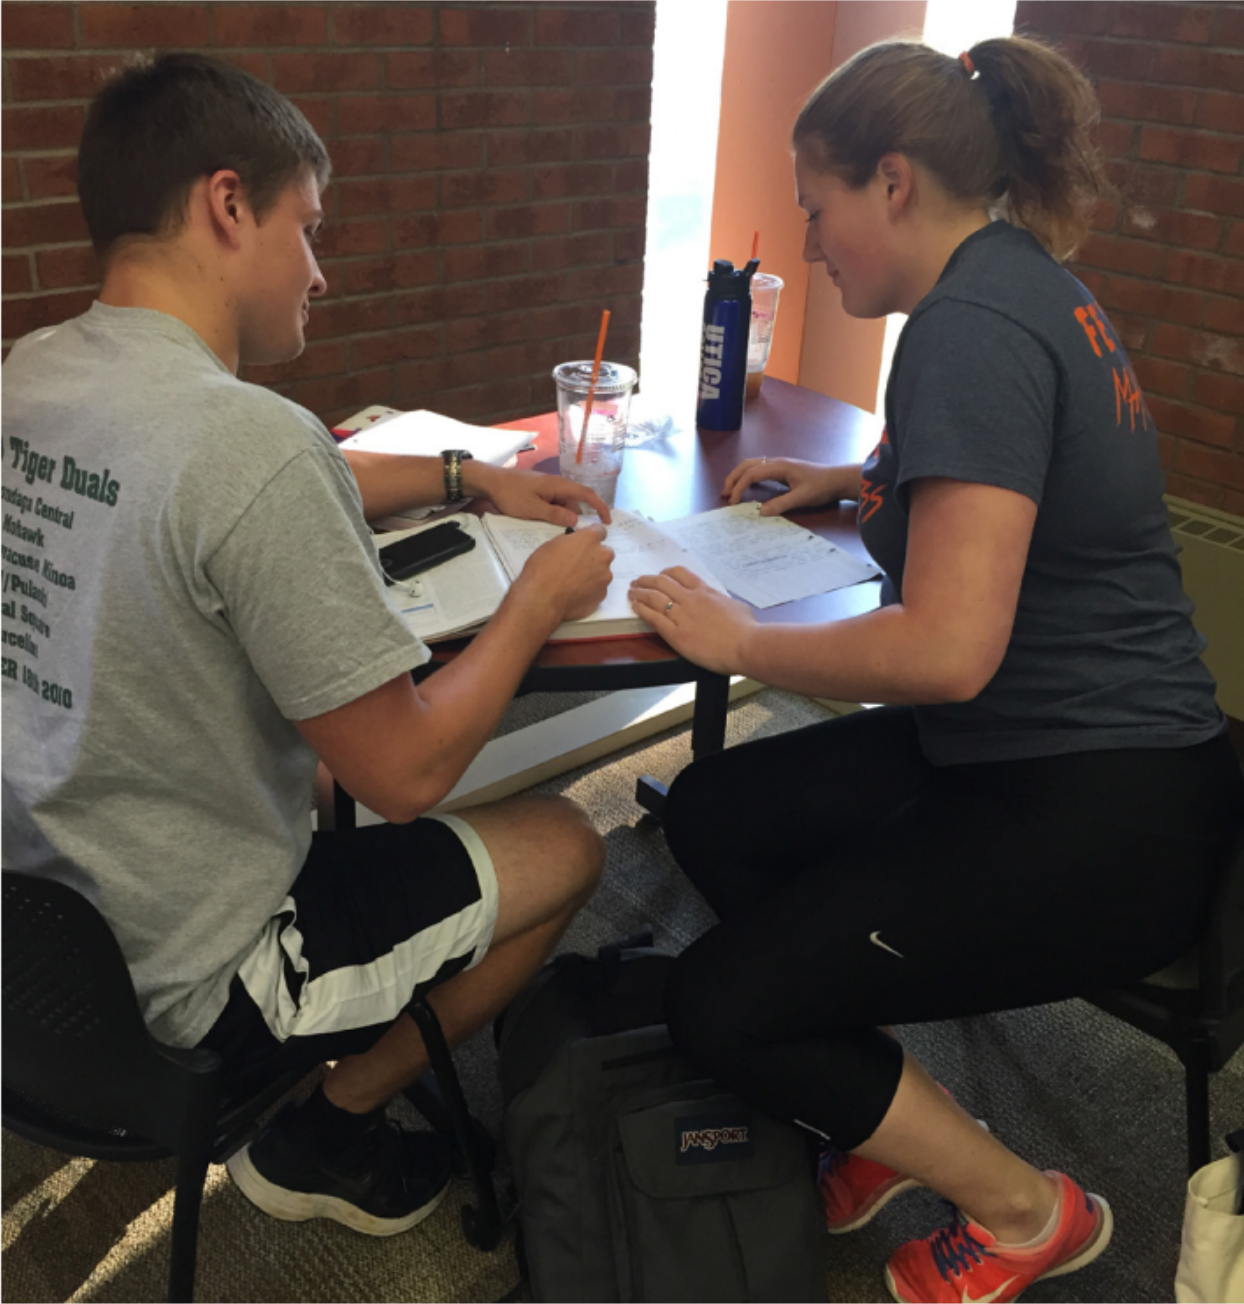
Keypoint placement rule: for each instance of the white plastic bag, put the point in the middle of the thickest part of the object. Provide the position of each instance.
(1211, 1261)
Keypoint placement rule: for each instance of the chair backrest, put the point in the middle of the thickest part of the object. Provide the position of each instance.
(1222, 950)
(74, 1040)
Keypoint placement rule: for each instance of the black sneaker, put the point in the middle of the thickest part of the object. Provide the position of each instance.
(384, 1183)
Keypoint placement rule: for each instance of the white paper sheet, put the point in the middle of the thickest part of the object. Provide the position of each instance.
(767, 560)
(426, 434)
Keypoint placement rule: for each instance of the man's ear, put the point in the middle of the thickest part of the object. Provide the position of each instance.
(227, 209)
(898, 179)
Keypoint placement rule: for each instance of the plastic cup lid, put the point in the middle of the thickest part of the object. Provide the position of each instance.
(766, 281)
(614, 378)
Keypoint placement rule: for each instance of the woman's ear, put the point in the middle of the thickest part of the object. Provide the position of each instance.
(897, 178)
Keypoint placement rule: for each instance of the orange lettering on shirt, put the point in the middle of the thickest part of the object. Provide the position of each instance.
(1082, 316)
(1127, 395)
(1102, 327)
(870, 499)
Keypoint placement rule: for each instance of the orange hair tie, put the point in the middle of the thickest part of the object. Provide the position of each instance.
(968, 66)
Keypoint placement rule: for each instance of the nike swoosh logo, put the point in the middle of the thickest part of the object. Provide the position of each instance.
(875, 939)
(965, 1298)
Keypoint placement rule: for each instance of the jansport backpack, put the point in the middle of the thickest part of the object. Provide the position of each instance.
(639, 1179)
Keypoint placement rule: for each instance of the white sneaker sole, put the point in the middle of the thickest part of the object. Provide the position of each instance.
(299, 1206)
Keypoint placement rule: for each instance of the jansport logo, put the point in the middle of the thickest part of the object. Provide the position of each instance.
(709, 1138)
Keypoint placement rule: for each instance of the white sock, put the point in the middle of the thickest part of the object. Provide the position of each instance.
(1044, 1234)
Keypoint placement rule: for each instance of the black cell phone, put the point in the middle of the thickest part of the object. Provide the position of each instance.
(421, 552)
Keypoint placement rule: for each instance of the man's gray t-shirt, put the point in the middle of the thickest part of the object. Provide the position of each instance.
(1008, 374)
(186, 572)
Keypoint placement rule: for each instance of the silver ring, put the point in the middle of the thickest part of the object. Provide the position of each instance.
(763, 460)
(669, 606)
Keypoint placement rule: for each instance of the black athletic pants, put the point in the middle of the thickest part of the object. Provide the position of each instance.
(858, 885)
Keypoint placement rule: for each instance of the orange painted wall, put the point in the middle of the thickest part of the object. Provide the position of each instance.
(776, 52)
(841, 355)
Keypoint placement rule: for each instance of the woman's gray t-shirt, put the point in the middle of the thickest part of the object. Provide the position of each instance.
(1008, 373)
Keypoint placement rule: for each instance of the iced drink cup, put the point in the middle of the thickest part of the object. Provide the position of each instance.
(596, 459)
(765, 291)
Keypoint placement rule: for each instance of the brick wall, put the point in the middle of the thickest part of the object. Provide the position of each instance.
(489, 193)
(1167, 261)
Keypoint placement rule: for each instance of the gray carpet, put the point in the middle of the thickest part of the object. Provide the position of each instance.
(1064, 1085)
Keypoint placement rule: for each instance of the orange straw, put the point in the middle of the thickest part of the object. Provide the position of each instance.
(591, 389)
(755, 243)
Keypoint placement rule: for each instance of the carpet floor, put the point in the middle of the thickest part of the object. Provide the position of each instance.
(1064, 1085)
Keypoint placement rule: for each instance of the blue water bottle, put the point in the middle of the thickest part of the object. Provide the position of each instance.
(723, 347)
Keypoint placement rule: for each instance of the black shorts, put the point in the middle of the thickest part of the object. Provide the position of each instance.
(376, 915)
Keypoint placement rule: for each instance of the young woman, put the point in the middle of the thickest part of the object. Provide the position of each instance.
(1045, 803)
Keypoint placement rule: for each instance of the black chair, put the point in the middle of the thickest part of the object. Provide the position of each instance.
(82, 1074)
(1196, 1005)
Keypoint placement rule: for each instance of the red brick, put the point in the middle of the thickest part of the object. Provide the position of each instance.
(1226, 315)
(638, 24)
(1170, 226)
(1232, 501)
(334, 397)
(631, 177)
(1200, 347)
(33, 26)
(1221, 195)
(1195, 491)
(1159, 377)
(577, 104)
(16, 274)
(1163, 302)
(628, 67)
(360, 115)
(1235, 240)
(1191, 423)
(270, 24)
(480, 262)
(587, 250)
(486, 25)
(60, 77)
(418, 69)
(1125, 60)
(66, 269)
(388, 272)
(1059, 17)
(503, 400)
(436, 151)
(59, 127)
(395, 346)
(1138, 184)
(1212, 464)
(461, 227)
(528, 67)
(1093, 282)
(526, 220)
(335, 317)
(1115, 139)
(440, 303)
(1165, 22)
(1191, 149)
(633, 104)
(628, 210)
(1218, 391)
(491, 186)
(572, 180)
(383, 195)
(507, 148)
(141, 26)
(522, 292)
(361, 156)
(256, 62)
(21, 316)
(1132, 331)
(468, 109)
(323, 359)
(414, 270)
(414, 383)
(1170, 104)
(41, 224)
(1207, 272)
(1219, 111)
(320, 112)
(326, 72)
(1114, 253)
(1169, 341)
(1230, 26)
(602, 282)
(629, 141)
(383, 24)
(11, 189)
(480, 332)
(341, 239)
(574, 26)
(1205, 69)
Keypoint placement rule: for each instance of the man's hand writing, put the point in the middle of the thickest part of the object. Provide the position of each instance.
(571, 573)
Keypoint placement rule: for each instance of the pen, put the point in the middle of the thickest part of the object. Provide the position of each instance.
(570, 529)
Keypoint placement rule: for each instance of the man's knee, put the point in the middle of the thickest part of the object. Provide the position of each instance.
(574, 842)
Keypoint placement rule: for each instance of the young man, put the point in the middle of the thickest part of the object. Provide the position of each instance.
(193, 616)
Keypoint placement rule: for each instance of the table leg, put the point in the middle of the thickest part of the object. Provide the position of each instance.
(708, 735)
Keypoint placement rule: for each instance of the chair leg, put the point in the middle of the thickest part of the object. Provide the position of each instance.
(481, 1224)
(191, 1174)
(1196, 1083)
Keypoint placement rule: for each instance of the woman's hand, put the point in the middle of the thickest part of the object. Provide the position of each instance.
(810, 485)
(530, 495)
(697, 621)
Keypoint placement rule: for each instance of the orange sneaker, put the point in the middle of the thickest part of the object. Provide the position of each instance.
(854, 1189)
(963, 1264)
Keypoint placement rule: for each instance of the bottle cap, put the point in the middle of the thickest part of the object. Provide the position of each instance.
(726, 281)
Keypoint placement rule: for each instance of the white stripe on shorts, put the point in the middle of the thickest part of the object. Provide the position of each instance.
(358, 996)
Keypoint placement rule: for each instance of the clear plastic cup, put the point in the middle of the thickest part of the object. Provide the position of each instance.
(594, 460)
(765, 291)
